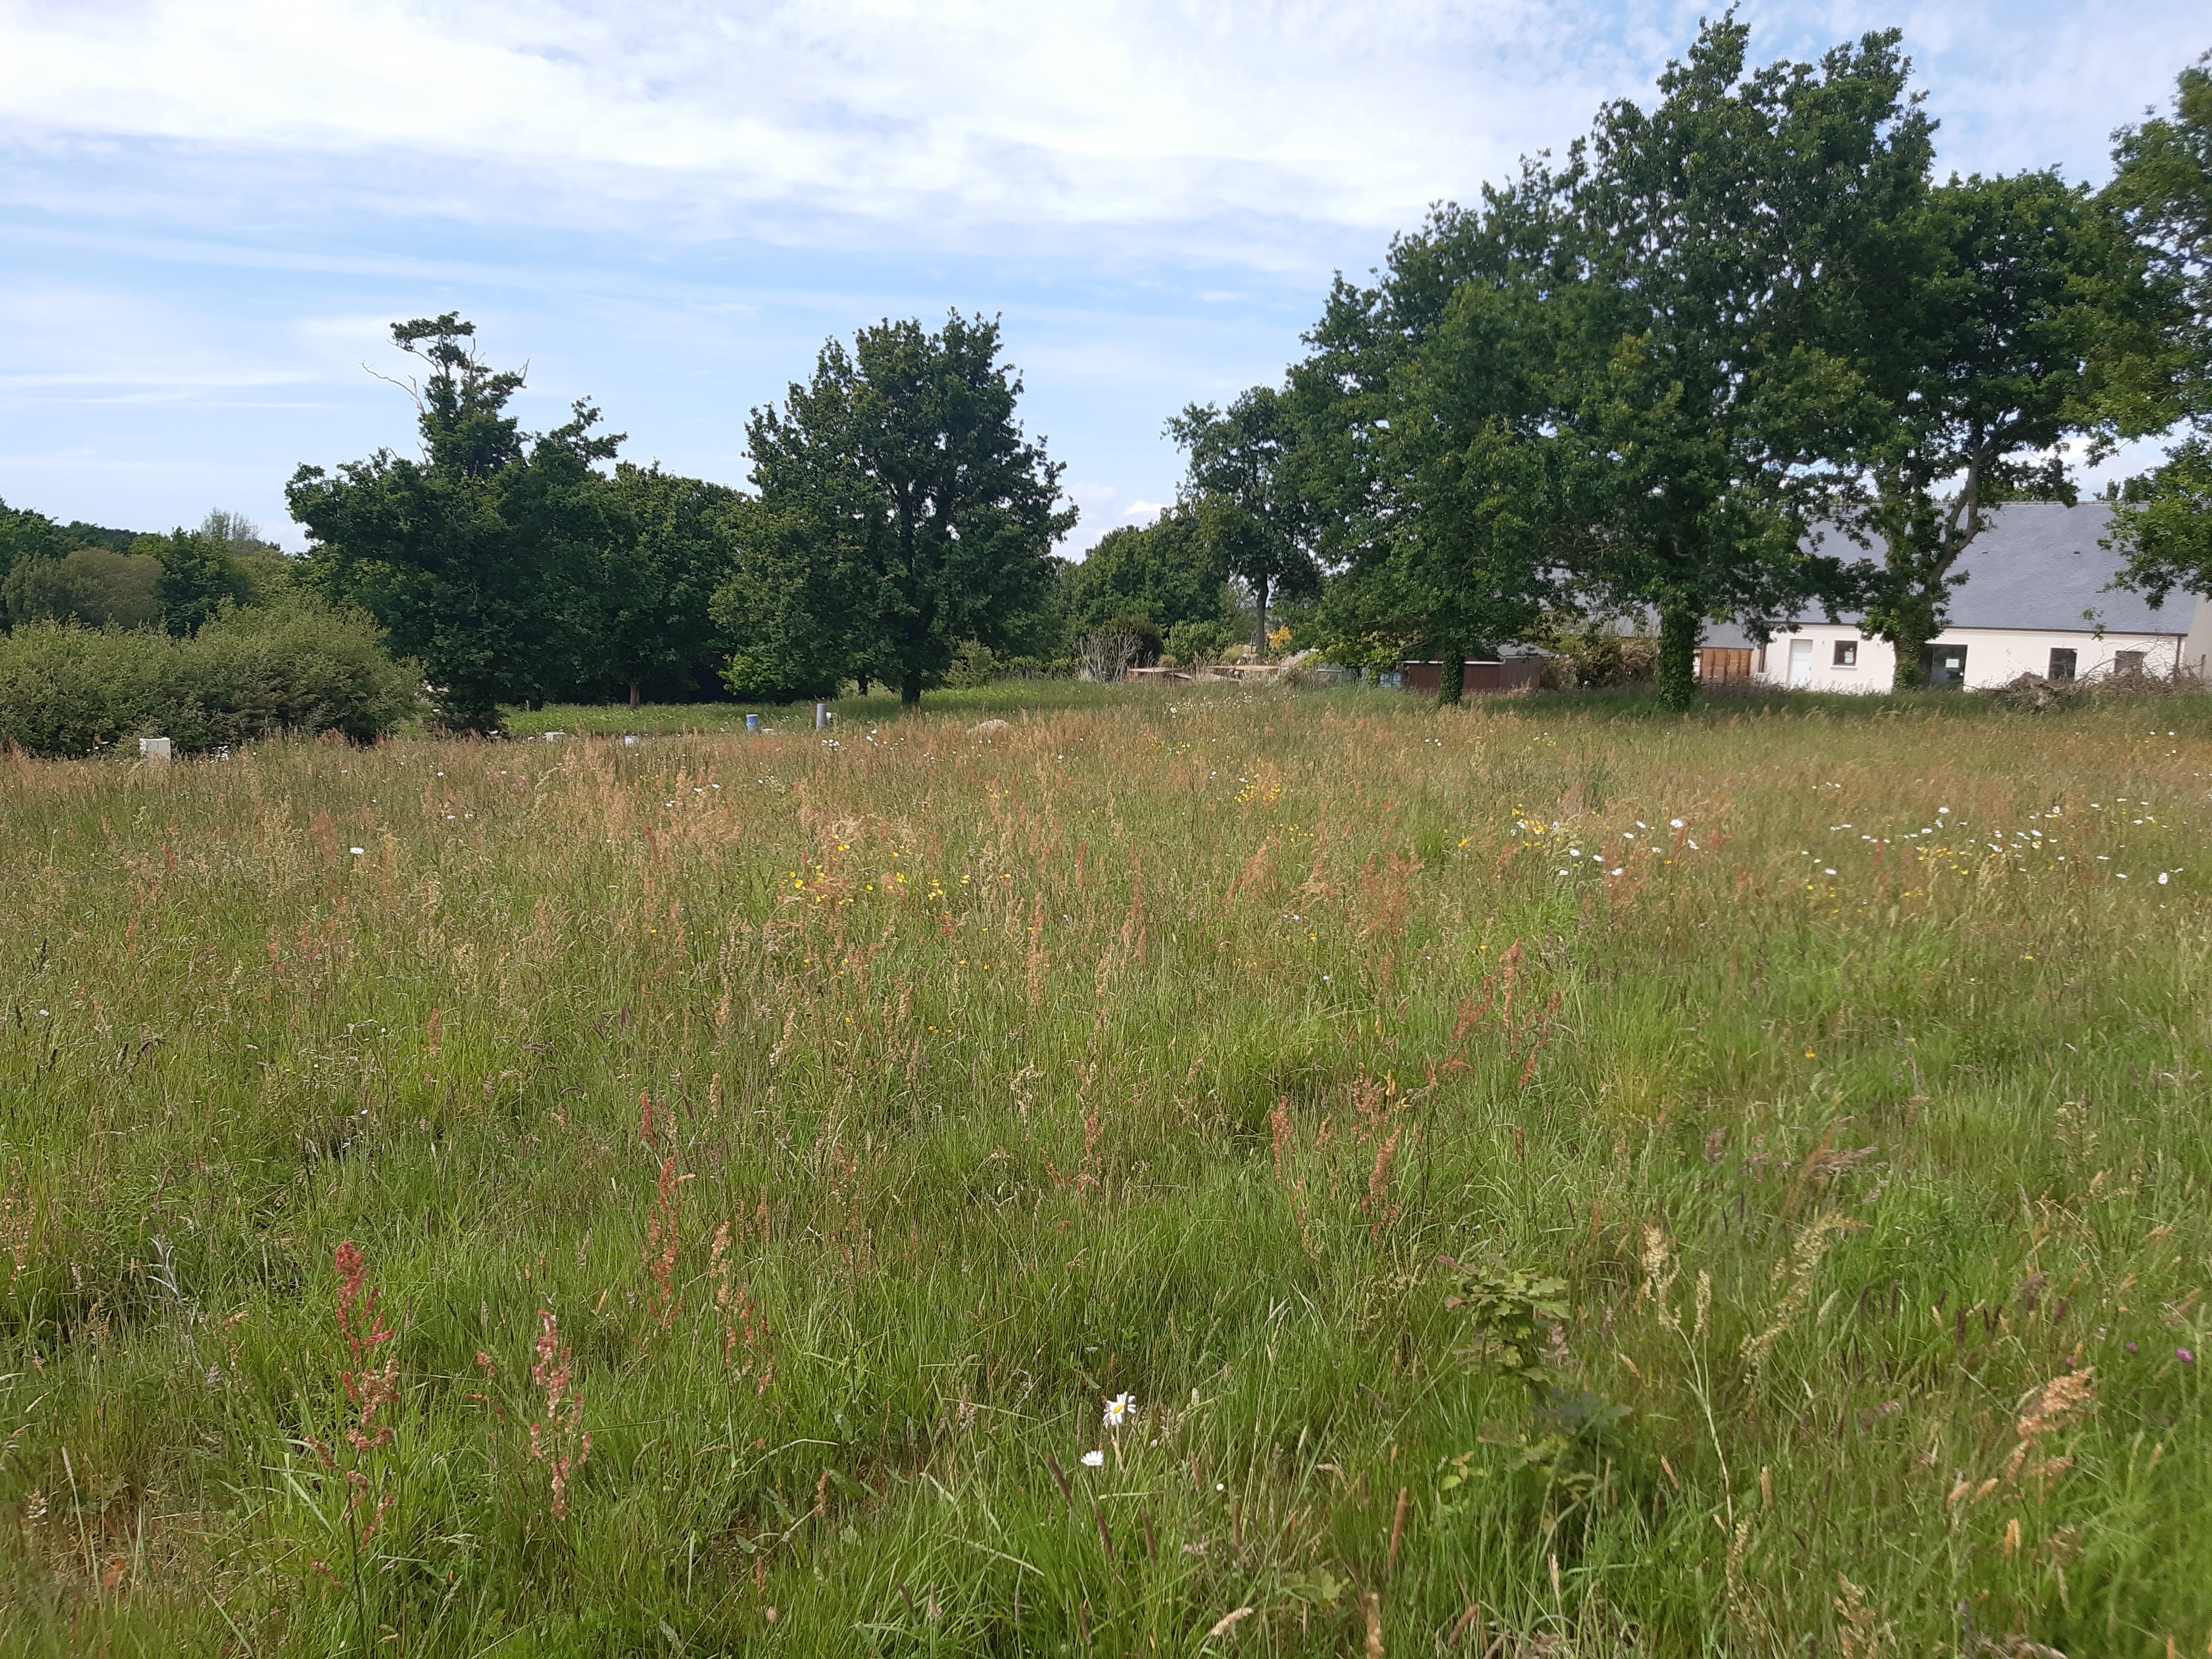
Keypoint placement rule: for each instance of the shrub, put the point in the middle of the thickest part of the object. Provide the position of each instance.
(1105, 656)
(1591, 652)
(1193, 643)
(1142, 630)
(973, 664)
(69, 690)
(94, 587)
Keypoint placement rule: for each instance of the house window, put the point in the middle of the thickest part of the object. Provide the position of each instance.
(1945, 665)
(2127, 662)
(1847, 653)
(2062, 665)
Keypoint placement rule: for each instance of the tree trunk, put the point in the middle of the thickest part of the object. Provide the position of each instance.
(633, 694)
(1678, 630)
(1260, 618)
(1451, 685)
(910, 690)
(1908, 636)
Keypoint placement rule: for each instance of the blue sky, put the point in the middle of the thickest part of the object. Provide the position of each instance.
(210, 210)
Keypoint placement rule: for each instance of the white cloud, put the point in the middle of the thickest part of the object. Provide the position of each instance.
(221, 203)
(990, 111)
(974, 113)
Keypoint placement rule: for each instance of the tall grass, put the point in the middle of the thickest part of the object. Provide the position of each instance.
(1554, 1181)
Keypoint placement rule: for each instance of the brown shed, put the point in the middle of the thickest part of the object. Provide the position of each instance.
(1513, 674)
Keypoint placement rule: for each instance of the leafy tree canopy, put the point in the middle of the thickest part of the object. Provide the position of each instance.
(902, 512)
(2002, 317)
(1169, 572)
(2163, 188)
(93, 586)
(672, 547)
(1428, 403)
(1712, 408)
(482, 557)
(1247, 491)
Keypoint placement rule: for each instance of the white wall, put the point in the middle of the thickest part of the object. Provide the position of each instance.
(2197, 650)
(1994, 656)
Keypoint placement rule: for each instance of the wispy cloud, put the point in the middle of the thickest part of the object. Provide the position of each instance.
(219, 204)
(990, 111)
(998, 112)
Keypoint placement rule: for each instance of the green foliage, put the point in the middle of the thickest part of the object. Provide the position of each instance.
(199, 577)
(484, 559)
(26, 535)
(1191, 644)
(1140, 630)
(1712, 404)
(1438, 444)
(2162, 521)
(2163, 188)
(1247, 492)
(1169, 571)
(784, 607)
(301, 667)
(1040, 631)
(2004, 317)
(902, 512)
(77, 533)
(1592, 651)
(1507, 1314)
(126, 579)
(974, 664)
(266, 570)
(93, 587)
(673, 544)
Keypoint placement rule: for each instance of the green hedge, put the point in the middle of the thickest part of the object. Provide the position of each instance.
(299, 667)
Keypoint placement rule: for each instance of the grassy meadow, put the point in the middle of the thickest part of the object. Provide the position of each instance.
(1536, 1179)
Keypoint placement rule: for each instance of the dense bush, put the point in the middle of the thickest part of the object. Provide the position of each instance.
(1189, 644)
(302, 666)
(96, 586)
(1593, 652)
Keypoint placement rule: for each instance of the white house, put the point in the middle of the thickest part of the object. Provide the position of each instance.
(2036, 600)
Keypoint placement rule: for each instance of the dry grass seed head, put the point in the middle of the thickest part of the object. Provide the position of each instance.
(1804, 1261)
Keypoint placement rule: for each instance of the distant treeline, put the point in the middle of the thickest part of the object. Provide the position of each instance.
(1739, 356)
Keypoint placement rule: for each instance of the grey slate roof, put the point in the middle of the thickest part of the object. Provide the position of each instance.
(2037, 565)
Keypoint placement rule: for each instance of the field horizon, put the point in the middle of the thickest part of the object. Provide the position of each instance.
(1193, 1171)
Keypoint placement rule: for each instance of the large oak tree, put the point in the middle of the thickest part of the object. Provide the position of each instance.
(901, 511)
(1244, 489)
(2163, 188)
(1712, 410)
(1426, 407)
(481, 559)
(2004, 317)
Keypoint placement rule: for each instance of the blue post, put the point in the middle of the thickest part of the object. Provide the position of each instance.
(752, 722)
